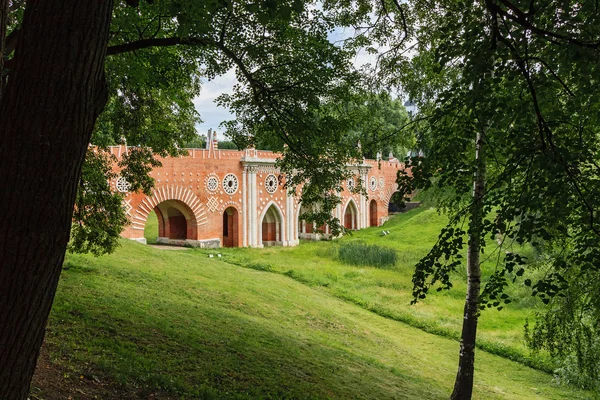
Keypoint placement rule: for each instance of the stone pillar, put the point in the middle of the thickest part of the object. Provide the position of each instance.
(290, 220)
(244, 207)
(252, 204)
(363, 199)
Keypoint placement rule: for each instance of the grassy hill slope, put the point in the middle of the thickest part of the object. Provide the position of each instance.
(197, 327)
(388, 291)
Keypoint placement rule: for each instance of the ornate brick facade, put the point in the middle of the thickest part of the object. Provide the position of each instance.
(214, 198)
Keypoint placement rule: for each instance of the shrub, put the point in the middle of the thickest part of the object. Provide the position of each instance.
(357, 253)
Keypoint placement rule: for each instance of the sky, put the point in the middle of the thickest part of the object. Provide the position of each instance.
(211, 114)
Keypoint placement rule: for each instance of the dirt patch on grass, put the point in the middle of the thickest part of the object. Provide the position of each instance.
(54, 381)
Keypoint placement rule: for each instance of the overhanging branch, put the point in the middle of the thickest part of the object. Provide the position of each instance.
(157, 42)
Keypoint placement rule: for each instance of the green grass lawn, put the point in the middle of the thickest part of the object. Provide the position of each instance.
(151, 228)
(200, 327)
(388, 291)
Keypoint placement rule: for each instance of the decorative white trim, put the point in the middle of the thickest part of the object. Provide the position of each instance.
(122, 185)
(230, 184)
(271, 183)
(373, 183)
(387, 196)
(212, 204)
(164, 193)
(281, 221)
(350, 184)
(127, 206)
(211, 183)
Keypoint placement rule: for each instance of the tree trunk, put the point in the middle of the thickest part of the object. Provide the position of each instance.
(3, 23)
(54, 93)
(463, 386)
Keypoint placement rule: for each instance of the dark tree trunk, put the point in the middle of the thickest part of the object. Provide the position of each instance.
(3, 23)
(463, 386)
(55, 92)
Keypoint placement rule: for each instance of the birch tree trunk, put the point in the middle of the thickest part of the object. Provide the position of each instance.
(463, 386)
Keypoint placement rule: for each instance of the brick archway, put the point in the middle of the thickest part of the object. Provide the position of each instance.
(176, 222)
(305, 229)
(271, 229)
(172, 203)
(387, 195)
(231, 227)
(351, 215)
(373, 220)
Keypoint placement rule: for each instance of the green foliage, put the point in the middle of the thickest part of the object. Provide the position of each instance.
(570, 329)
(151, 99)
(99, 216)
(198, 142)
(136, 165)
(357, 253)
(228, 145)
(285, 64)
(520, 74)
(531, 96)
(380, 123)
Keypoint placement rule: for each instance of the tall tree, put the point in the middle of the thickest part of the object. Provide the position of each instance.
(541, 137)
(54, 92)
(55, 88)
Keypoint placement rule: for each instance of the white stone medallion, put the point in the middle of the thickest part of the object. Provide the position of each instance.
(211, 183)
(230, 184)
(350, 184)
(122, 185)
(373, 184)
(271, 183)
(381, 183)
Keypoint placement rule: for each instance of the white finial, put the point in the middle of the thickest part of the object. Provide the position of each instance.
(209, 139)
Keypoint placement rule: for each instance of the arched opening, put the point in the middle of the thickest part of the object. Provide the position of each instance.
(373, 213)
(350, 216)
(151, 228)
(271, 227)
(305, 228)
(177, 227)
(170, 222)
(230, 227)
(308, 230)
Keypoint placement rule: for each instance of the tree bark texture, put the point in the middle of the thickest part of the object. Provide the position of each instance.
(3, 23)
(463, 386)
(54, 93)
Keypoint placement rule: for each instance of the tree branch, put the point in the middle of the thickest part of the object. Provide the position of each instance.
(521, 19)
(157, 42)
(545, 64)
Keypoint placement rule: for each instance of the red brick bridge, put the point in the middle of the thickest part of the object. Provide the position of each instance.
(215, 197)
